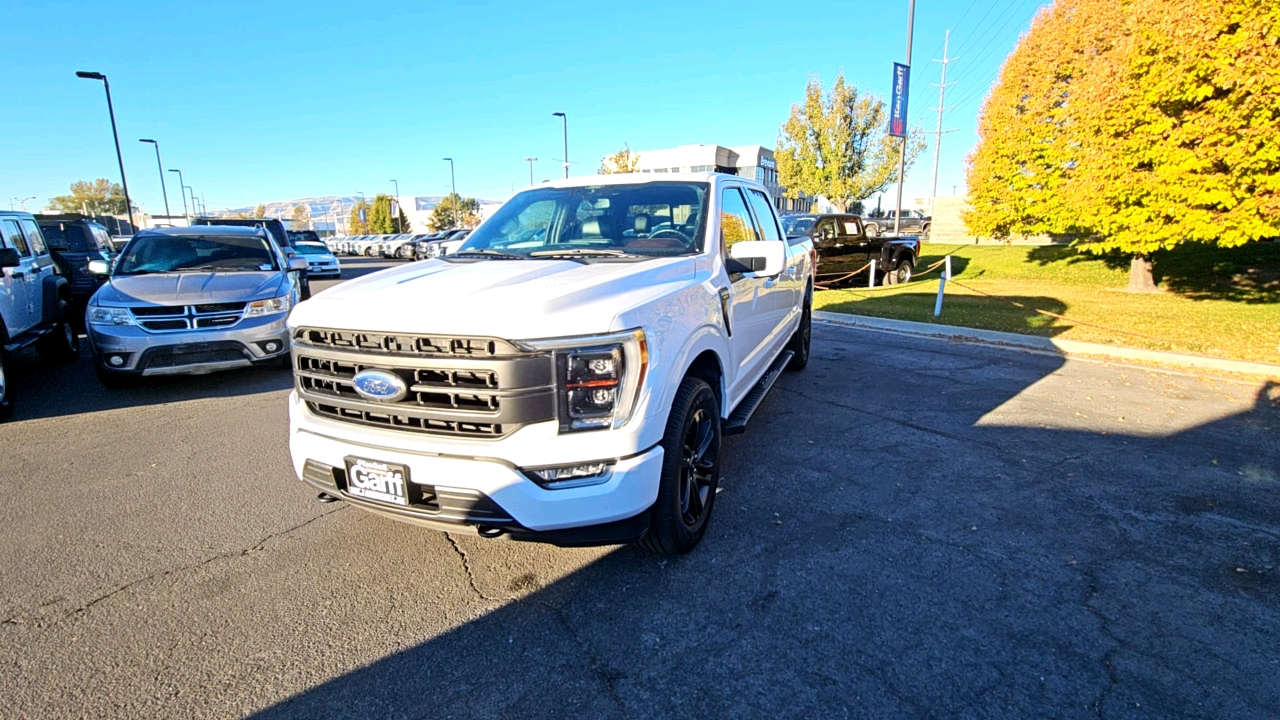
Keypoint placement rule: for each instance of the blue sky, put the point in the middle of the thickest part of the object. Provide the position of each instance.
(261, 102)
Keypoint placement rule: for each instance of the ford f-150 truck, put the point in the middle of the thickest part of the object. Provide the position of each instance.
(567, 374)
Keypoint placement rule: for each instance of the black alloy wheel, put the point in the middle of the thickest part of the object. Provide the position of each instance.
(6, 396)
(803, 336)
(690, 471)
(62, 345)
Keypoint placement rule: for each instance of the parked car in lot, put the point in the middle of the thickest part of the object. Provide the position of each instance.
(320, 260)
(442, 244)
(193, 300)
(35, 301)
(913, 222)
(596, 337)
(73, 241)
(843, 246)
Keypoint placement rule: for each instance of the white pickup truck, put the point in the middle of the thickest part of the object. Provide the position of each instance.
(566, 375)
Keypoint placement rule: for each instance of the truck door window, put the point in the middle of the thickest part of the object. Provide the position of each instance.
(34, 238)
(14, 235)
(764, 213)
(825, 232)
(849, 227)
(736, 224)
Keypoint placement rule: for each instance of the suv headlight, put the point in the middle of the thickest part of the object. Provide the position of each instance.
(269, 307)
(598, 378)
(109, 316)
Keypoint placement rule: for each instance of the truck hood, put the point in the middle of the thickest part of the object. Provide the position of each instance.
(513, 299)
(190, 288)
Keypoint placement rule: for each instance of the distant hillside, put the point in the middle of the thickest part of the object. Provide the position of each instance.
(327, 206)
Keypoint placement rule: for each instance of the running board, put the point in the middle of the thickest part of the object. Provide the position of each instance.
(741, 415)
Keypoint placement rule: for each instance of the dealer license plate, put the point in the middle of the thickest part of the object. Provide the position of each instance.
(373, 480)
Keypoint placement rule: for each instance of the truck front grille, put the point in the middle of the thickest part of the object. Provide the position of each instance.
(472, 387)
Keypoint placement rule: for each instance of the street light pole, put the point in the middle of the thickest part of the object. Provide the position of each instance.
(160, 167)
(182, 194)
(565, 118)
(902, 152)
(195, 209)
(399, 225)
(21, 202)
(531, 161)
(124, 183)
(453, 183)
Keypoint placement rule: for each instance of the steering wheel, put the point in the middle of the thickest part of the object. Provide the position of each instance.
(671, 232)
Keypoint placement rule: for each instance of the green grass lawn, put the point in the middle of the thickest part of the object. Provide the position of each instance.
(1223, 303)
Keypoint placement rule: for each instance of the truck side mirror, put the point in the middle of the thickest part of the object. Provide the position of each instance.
(763, 257)
(297, 262)
(9, 257)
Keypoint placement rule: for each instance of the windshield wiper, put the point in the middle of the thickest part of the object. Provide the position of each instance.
(581, 252)
(488, 253)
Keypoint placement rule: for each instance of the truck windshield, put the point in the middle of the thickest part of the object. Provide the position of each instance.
(195, 253)
(662, 219)
(795, 225)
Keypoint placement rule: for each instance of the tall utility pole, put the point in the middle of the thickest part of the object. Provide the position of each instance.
(565, 118)
(531, 161)
(128, 205)
(453, 183)
(902, 152)
(160, 167)
(937, 134)
(182, 193)
(399, 225)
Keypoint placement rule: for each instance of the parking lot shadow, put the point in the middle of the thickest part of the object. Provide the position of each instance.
(41, 390)
(931, 538)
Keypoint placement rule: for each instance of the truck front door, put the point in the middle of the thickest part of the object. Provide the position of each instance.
(751, 297)
(18, 298)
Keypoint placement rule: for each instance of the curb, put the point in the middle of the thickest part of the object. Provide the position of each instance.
(1053, 345)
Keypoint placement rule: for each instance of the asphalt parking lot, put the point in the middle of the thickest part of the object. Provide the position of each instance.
(909, 528)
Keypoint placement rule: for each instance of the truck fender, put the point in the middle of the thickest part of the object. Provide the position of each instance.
(705, 340)
(52, 289)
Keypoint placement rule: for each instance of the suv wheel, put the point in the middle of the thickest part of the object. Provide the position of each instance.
(799, 343)
(61, 345)
(6, 393)
(900, 275)
(690, 471)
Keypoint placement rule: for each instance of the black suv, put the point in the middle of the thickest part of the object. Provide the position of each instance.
(275, 228)
(73, 241)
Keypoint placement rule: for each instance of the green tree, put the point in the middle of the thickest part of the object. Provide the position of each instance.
(1029, 143)
(260, 211)
(1178, 131)
(356, 226)
(837, 144)
(95, 197)
(455, 211)
(623, 161)
(382, 222)
(301, 217)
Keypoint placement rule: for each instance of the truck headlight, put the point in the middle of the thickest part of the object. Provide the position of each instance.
(109, 316)
(598, 378)
(268, 307)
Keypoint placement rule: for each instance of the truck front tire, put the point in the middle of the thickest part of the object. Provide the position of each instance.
(6, 391)
(799, 343)
(690, 471)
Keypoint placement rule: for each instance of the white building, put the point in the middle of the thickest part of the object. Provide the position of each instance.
(749, 161)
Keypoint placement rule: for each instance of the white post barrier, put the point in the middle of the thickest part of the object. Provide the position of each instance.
(942, 285)
(871, 280)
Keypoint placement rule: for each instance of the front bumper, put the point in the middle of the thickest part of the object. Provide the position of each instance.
(487, 495)
(316, 271)
(189, 352)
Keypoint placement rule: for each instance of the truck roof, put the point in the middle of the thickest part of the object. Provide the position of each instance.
(637, 178)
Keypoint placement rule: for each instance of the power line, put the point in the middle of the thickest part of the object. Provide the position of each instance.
(979, 90)
(937, 135)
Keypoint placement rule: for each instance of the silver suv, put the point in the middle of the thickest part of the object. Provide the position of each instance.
(193, 300)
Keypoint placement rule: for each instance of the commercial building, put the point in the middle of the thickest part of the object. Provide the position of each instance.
(749, 161)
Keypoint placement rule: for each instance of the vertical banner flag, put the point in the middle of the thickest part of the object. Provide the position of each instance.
(395, 209)
(362, 217)
(898, 100)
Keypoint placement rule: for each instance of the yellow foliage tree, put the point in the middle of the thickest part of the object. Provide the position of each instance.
(623, 161)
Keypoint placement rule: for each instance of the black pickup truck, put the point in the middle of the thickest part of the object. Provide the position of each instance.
(843, 247)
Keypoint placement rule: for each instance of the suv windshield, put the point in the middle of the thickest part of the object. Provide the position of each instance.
(308, 248)
(196, 253)
(660, 219)
(69, 237)
(794, 225)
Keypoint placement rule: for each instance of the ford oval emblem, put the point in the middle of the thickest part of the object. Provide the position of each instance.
(380, 385)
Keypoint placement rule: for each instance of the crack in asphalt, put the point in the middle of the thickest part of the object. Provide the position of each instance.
(597, 668)
(16, 619)
(1108, 657)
